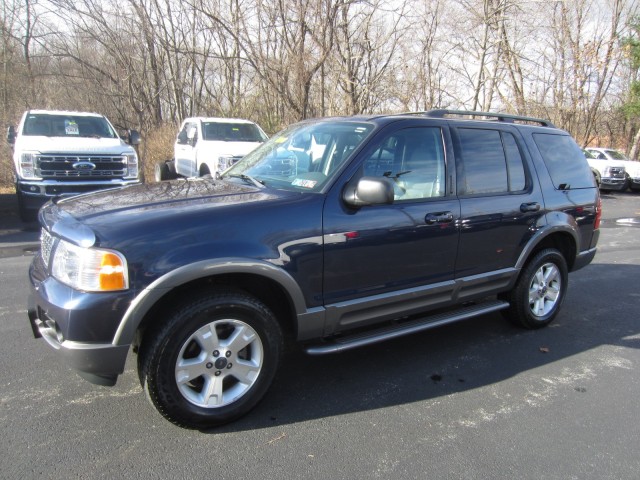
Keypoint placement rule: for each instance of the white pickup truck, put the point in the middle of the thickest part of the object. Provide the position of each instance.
(609, 174)
(609, 156)
(62, 153)
(209, 145)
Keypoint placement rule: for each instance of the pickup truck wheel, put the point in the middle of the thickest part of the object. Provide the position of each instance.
(165, 171)
(212, 361)
(538, 294)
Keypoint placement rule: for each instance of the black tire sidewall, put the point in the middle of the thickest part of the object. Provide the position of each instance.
(520, 296)
(159, 366)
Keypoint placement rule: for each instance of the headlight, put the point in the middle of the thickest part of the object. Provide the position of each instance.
(224, 162)
(132, 165)
(89, 269)
(28, 165)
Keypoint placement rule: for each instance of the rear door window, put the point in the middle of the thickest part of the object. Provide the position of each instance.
(491, 162)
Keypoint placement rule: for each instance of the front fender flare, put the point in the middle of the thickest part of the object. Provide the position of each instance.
(148, 297)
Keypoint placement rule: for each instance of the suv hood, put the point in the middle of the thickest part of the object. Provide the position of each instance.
(108, 212)
(109, 146)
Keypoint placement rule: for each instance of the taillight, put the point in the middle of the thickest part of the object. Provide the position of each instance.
(598, 213)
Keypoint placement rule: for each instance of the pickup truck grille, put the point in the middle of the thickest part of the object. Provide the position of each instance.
(616, 172)
(86, 166)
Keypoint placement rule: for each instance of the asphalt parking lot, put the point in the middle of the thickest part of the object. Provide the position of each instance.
(480, 399)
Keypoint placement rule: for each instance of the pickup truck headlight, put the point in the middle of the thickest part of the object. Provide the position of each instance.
(28, 166)
(89, 269)
(224, 162)
(132, 165)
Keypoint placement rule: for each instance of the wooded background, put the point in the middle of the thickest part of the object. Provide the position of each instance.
(147, 64)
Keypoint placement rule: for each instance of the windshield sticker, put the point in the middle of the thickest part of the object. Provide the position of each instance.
(71, 128)
(301, 182)
(281, 140)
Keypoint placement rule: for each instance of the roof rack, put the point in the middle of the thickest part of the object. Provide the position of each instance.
(501, 117)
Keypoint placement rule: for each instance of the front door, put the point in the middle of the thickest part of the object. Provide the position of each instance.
(375, 253)
(185, 150)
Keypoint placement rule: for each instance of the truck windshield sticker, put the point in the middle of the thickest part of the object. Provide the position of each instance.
(71, 128)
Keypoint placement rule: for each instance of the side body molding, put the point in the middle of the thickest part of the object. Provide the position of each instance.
(152, 293)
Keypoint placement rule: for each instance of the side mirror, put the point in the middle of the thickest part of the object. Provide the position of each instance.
(133, 137)
(11, 135)
(369, 191)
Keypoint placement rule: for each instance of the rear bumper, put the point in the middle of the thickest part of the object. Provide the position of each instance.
(584, 258)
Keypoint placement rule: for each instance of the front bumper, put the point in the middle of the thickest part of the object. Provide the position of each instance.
(608, 183)
(36, 193)
(79, 325)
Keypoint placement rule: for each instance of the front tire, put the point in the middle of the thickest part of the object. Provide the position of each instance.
(540, 290)
(212, 360)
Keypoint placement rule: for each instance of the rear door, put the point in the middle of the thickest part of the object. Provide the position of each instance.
(500, 201)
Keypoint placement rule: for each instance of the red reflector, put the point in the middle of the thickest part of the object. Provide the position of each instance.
(351, 235)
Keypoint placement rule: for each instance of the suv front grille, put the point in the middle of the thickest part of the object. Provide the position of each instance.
(96, 166)
(46, 245)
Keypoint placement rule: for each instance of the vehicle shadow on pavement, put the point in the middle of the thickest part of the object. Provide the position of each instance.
(452, 359)
(16, 238)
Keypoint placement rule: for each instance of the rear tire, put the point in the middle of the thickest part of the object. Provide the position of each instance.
(540, 290)
(212, 360)
(165, 171)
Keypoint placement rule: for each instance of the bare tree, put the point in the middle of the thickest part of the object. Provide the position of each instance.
(368, 39)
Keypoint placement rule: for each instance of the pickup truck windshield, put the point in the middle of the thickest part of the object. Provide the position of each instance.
(232, 132)
(67, 126)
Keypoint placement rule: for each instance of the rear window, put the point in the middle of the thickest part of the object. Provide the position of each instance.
(565, 161)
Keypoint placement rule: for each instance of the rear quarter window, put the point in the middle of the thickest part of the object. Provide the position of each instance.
(565, 162)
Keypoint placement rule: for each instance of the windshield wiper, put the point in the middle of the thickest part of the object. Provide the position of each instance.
(248, 179)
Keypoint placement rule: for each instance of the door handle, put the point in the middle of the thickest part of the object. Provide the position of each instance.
(530, 207)
(441, 217)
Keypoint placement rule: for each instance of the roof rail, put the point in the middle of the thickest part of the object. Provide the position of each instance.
(501, 117)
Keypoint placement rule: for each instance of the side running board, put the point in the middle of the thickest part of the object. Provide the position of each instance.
(386, 333)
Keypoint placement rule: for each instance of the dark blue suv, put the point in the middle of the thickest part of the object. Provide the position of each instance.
(336, 233)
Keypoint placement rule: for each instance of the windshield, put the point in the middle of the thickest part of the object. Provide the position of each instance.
(614, 154)
(232, 132)
(302, 157)
(68, 126)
